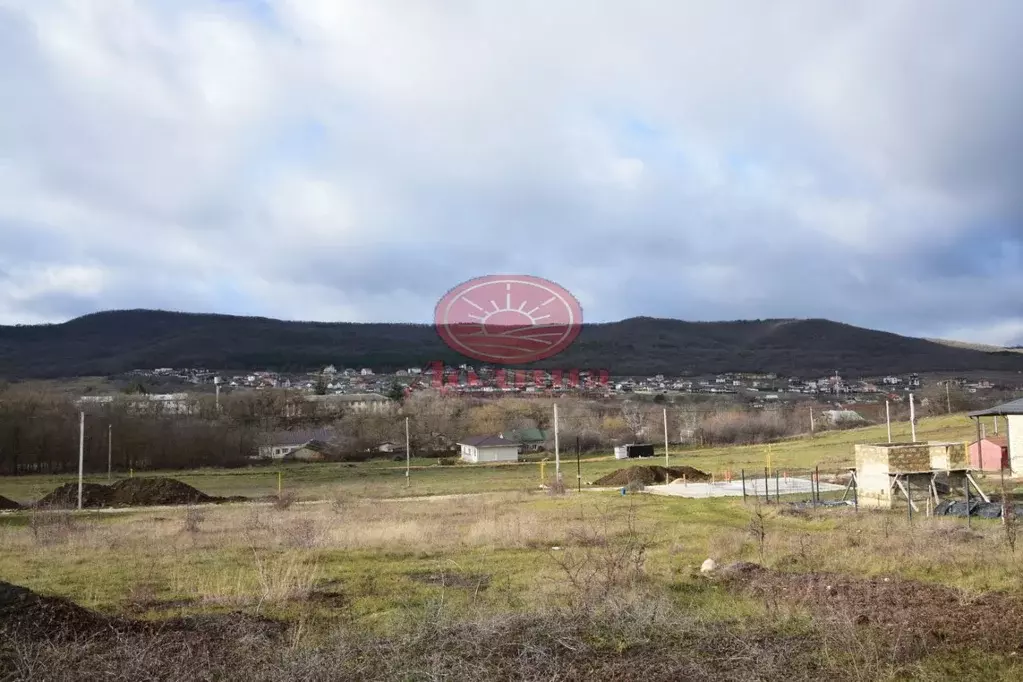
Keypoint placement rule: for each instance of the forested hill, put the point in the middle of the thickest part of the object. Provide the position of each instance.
(118, 341)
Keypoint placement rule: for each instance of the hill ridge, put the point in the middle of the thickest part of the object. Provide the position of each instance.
(117, 341)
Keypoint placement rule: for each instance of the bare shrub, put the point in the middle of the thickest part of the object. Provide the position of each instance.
(447, 461)
(635, 486)
(339, 504)
(52, 528)
(556, 487)
(285, 500)
(193, 520)
(758, 529)
(745, 427)
(603, 556)
(303, 534)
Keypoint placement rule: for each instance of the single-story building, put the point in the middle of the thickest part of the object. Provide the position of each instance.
(390, 447)
(1013, 413)
(305, 444)
(530, 439)
(843, 417)
(489, 449)
(991, 455)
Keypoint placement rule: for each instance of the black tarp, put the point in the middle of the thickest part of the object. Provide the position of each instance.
(986, 510)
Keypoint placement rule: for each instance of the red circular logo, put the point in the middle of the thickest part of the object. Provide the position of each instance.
(508, 319)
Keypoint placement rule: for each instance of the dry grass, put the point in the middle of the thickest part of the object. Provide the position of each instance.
(620, 598)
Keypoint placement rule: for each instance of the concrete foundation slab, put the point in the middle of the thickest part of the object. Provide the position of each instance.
(786, 486)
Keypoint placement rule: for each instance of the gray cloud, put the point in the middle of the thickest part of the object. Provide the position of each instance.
(315, 159)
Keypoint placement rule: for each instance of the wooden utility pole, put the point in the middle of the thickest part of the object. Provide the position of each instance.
(408, 458)
(948, 398)
(81, 455)
(912, 417)
(888, 418)
(110, 452)
(665, 436)
(557, 450)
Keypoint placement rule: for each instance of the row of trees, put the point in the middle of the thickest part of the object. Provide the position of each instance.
(39, 433)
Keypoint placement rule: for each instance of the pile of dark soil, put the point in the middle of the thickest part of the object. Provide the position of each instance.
(130, 492)
(648, 475)
(28, 614)
(6, 504)
(66, 496)
(34, 617)
(133, 492)
(920, 614)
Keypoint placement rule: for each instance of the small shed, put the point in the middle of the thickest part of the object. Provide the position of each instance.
(990, 454)
(1013, 413)
(632, 450)
(477, 449)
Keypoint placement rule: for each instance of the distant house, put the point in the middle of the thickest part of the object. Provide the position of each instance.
(305, 445)
(355, 402)
(844, 417)
(390, 447)
(159, 403)
(477, 449)
(531, 439)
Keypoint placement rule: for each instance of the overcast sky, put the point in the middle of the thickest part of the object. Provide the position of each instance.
(336, 160)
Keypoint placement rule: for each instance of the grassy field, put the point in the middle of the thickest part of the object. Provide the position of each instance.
(832, 451)
(376, 582)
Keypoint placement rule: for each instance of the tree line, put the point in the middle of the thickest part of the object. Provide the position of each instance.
(39, 433)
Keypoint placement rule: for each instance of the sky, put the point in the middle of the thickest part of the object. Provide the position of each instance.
(353, 161)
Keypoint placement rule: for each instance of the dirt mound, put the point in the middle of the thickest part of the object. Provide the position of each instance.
(132, 492)
(6, 504)
(66, 496)
(30, 616)
(921, 614)
(649, 475)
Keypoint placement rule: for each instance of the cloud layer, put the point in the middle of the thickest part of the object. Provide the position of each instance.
(336, 160)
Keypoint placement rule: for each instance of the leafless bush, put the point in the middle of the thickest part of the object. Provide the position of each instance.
(193, 520)
(285, 500)
(556, 487)
(339, 504)
(745, 427)
(635, 486)
(758, 529)
(603, 555)
(52, 528)
(303, 534)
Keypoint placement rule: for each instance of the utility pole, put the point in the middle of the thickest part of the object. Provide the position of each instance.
(912, 416)
(557, 451)
(948, 398)
(888, 418)
(666, 436)
(408, 458)
(811, 421)
(81, 454)
(110, 452)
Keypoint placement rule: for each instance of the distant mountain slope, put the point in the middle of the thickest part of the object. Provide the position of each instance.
(118, 341)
